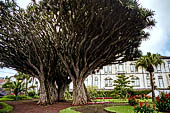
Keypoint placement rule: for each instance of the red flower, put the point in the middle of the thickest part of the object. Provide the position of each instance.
(12, 94)
(154, 106)
(158, 99)
(134, 107)
(145, 104)
(141, 104)
(149, 105)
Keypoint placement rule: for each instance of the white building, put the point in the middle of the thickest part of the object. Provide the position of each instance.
(104, 79)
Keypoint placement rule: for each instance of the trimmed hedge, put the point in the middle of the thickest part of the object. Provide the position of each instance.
(6, 108)
(140, 92)
(111, 93)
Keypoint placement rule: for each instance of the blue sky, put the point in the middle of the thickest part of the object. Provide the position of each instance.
(159, 40)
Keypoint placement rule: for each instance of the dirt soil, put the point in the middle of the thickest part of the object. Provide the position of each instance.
(1, 106)
(28, 106)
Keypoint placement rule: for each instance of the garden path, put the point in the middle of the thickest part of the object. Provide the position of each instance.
(28, 106)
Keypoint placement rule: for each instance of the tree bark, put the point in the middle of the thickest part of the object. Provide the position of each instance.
(79, 94)
(61, 90)
(48, 92)
(152, 87)
(87, 94)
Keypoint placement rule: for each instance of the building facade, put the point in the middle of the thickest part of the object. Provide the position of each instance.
(140, 79)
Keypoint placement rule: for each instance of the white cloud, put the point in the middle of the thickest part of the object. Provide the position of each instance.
(160, 34)
(23, 3)
(7, 72)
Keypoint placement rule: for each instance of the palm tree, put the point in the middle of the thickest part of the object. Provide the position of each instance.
(25, 80)
(148, 62)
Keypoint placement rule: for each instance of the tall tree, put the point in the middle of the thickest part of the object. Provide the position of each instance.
(148, 62)
(25, 46)
(93, 33)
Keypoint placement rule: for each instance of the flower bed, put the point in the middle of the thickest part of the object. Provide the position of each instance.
(144, 108)
(132, 100)
(163, 103)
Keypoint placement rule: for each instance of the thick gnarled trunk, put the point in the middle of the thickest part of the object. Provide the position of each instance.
(48, 92)
(79, 94)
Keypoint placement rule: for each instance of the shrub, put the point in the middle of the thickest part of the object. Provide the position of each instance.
(141, 108)
(163, 102)
(36, 96)
(5, 108)
(132, 100)
(92, 91)
(31, 94)
(19, 97)
(140, 92)
(68, 95)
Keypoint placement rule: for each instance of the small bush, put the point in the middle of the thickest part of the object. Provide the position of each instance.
(6, 108)
(31, 94)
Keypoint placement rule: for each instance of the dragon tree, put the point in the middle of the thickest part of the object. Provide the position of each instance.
(93, 33)
(25, 46)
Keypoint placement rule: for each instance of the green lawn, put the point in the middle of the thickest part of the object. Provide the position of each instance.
(120, 109)
(6, 108)
(6, 99)
(120, 100)
(68, 110)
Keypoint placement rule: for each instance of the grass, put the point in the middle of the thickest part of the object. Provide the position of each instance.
(13, 97)
(6, 108)
(112, 100)
(120, 100)
(6, 99)
(68, 110)
(120, 109)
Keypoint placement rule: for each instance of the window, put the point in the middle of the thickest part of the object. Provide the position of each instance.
(159, 68)
(108, 82)
(96, 81)
(135, 81)
(108, 69)
(160, 80)
(169, 65)
(132, 67)
(121, 67)
(148, 81)
(86, 81)
(105, 69)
